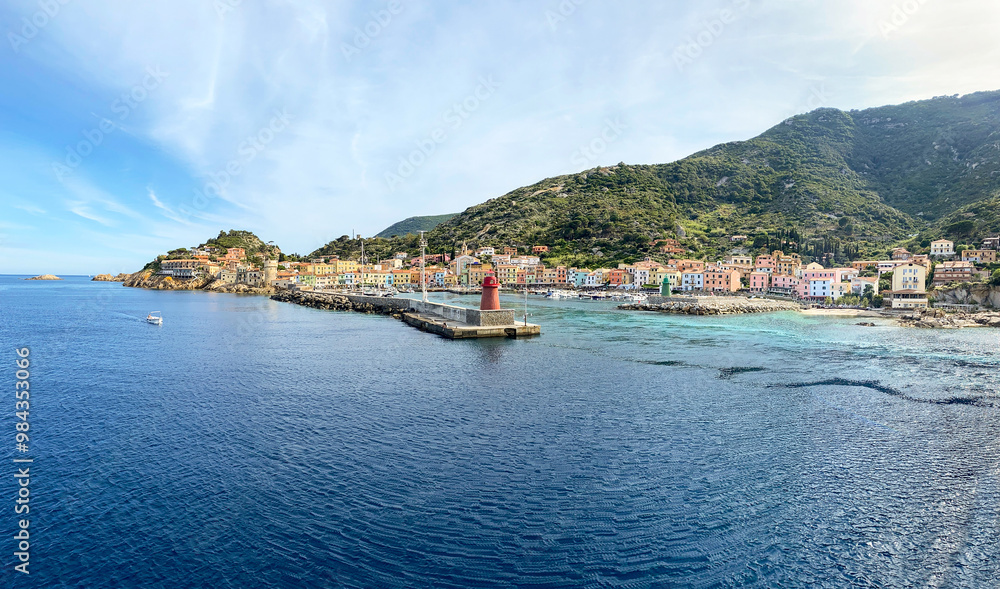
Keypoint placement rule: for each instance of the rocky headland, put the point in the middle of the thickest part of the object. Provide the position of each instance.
(147, 279)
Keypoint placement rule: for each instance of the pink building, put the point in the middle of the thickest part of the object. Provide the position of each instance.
(760, 281)
(764, 264)
(784, 283)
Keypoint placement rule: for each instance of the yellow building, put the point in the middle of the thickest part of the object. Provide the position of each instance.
(478, 272)
(344, 266)
(908, 287)
(506, 273)
(786, 263)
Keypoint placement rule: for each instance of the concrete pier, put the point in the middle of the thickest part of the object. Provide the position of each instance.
(445, 320)
(433, 323)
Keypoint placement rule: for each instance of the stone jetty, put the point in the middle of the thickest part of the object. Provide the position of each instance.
(712, 305)
(339, 302)
(445, 320)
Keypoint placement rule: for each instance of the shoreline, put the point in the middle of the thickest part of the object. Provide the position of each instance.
(842, 313)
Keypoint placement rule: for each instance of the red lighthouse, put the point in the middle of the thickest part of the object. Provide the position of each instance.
(491, 294)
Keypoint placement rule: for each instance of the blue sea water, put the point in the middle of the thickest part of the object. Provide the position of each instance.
(250, 443)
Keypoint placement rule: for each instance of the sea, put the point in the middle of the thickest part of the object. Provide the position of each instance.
(250, 443)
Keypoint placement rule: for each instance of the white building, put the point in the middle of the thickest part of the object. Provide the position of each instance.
(594, 279)
(821, 288)
(942, 247)
(692, 281)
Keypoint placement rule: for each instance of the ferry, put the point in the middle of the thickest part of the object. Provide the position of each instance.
(155, 318)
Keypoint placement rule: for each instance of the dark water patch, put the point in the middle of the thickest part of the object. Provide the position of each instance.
(662, 362)
(877, 386)
(728, 373)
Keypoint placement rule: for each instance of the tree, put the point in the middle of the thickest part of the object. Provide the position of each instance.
(885, 282)
(995, 280)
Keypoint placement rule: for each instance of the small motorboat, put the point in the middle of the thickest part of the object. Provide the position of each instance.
(154, 318)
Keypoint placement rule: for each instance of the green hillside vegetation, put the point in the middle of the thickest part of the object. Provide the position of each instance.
(415, 225)
(830, 184)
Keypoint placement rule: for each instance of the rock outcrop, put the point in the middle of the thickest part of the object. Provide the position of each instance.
(146, 279)
(983, 295)
(939, 319)
(109, 278)
(715, 306)
(44, 277)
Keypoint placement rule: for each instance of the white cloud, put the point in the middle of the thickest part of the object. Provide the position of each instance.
(353, 119)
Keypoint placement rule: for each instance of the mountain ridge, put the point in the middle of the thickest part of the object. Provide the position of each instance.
(829, 184)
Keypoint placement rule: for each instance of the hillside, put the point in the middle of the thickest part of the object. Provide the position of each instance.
(849, 184)
(256, 249)
(414, 225)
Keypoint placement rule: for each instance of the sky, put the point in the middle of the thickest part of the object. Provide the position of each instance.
(131, 128)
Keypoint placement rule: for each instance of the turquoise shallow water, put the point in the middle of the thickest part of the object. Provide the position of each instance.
(249, 443)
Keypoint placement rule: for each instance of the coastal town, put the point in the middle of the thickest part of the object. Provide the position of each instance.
(899, 282)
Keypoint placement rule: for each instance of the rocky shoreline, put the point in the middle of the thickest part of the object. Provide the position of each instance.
(715, 306)
(109, 278)
(939, 319)
(330, 302)
(151, 281)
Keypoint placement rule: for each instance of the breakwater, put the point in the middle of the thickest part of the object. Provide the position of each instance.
(711, 305)
(338, 302)
(447, 320)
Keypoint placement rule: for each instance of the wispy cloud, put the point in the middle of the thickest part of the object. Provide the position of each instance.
(29, 209)
(81, 209)
(352, 119)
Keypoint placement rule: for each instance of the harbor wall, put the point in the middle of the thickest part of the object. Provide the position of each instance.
(391, 305)
(387, 304)
(463, 315)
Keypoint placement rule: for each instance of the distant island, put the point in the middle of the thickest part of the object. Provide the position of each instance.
(44, 277)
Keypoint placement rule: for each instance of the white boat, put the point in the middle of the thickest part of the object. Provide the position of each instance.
(154, 318)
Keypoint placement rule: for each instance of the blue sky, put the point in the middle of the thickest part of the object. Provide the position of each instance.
(127, 129)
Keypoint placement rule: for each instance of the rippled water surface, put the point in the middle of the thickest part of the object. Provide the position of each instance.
(249, 443)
